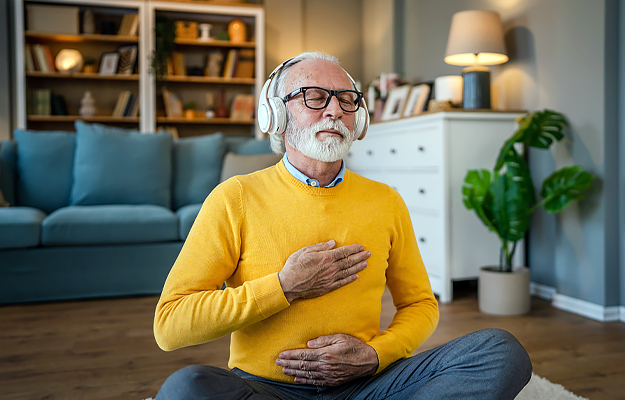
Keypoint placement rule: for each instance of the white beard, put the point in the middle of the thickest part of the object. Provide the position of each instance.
(304, 139)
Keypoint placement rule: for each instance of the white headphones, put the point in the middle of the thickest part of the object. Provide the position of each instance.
(272, 110)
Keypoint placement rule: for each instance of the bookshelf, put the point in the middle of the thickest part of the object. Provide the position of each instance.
(34, 83)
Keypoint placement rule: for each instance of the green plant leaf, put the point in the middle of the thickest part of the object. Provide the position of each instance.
(538, 129)
(476, 195)
(563, 186)
(510, 206)
(516, 168)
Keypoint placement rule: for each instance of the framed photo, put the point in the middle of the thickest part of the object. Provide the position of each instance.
(417, 100)
(127, 59)
(108, 63)
(395, 102)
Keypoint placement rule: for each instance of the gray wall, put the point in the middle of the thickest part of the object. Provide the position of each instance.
(5, 73)
(562, 56)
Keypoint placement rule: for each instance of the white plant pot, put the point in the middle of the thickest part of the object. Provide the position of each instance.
(504, 293)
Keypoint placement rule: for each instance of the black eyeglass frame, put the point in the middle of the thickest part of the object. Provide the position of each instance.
(334, 93)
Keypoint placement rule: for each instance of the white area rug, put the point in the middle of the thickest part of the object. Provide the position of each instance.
(538, 389)
(541, 389)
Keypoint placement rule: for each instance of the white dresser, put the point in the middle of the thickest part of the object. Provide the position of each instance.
(425, 158)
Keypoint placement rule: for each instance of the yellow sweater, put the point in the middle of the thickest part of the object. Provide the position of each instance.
(248, 227)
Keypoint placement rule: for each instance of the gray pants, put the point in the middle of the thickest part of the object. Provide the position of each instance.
(488, 364)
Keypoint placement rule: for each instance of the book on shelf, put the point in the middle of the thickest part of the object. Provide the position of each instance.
(245, 64)
(129, 25)
(58, 106)
(28, 59)
(243, 107)
(173, 105)
(122, 101)
(43, 58)
(178, 63)
(230, 63)
(133, 111)
(40, 102)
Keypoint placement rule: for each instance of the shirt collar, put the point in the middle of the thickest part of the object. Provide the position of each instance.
(297, 174)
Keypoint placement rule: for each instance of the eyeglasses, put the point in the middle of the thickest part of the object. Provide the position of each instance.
(318, 98)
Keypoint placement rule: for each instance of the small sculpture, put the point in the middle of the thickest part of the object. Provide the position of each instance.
(205, 30)
(88, 22)
(237, 31)
(87, 105)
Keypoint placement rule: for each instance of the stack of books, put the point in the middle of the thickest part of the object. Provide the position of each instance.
(38, 57)
(127, 105)
(243, 107)
(129, 25)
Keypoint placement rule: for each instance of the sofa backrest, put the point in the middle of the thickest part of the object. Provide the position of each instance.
(44, 164)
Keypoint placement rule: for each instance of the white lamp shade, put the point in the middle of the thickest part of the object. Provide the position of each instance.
(475, 38)
(69, 60)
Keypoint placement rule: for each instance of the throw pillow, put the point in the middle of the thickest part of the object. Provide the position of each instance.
(197, 165)
(238, 164)
(251, 147)
(121, 166)
(44, 168)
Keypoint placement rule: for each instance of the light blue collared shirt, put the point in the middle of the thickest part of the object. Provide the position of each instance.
(312, 182)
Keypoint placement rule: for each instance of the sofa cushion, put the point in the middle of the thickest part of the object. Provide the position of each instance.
(109, 224)
(8, 155)
(247, 146)
(120, 166)
(186, 218)
(45, 162)
(20, 227)
(197, 165)
(237, 164)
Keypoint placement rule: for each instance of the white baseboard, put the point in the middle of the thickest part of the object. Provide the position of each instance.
(587, 309)
(543, 291)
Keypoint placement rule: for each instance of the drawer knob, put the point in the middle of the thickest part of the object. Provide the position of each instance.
(422, 191)
(422, 239)
(421, 148)
(369, 152)
(393, 151)
(349, 154)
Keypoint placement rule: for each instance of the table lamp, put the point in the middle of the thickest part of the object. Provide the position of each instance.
(475, 40)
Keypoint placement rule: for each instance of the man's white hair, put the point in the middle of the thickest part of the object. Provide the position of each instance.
(277, 89)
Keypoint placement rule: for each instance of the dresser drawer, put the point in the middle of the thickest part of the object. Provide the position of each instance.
(430, 238)
(418, 189)
(397, 150)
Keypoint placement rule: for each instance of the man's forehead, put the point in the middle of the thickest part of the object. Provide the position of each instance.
(317, 73)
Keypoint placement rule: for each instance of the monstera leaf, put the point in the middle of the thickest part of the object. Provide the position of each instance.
(476, 195)
(563, 186)
(538, 129)
(510, 206)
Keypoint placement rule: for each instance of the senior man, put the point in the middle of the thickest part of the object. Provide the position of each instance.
(306, 248)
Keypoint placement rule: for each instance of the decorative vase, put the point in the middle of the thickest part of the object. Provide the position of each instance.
(189, 114)
(222, 111)
(89, 69)
(87, 105)
(504, 293)
(205, 30)
(88, 22)
(237, 31)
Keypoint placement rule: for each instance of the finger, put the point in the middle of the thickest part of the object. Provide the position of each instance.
(299, 365)
(300, 354)
(303, 374)
(315, 382)
(323, 341)
(346, 251)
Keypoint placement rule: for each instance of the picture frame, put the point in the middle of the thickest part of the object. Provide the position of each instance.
(417, 100)
(395, 102)
(127, 59)
(108, 63)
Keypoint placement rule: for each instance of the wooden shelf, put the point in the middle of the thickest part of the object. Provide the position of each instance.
(215, 43)
(209, 79)
(81, 75)
(72, 118)
(212, 121)
(81, 38)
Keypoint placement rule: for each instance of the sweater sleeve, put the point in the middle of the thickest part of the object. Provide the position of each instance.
(407, 280)
(193, 309)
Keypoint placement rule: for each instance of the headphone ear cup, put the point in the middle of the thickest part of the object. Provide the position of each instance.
(278, 116)
(361, 124)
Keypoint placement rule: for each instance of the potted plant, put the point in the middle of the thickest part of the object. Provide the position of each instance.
(165, 34)
(90, 65)
(504, 201)
(189, 110)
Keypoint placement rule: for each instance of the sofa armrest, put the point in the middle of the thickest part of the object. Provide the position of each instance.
(8, 160)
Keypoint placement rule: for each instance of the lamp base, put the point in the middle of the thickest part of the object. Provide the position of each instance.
(476, 87)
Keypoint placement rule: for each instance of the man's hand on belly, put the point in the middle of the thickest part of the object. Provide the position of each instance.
(315, 270)
(329, 361)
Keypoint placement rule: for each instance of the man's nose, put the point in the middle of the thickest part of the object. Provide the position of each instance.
(333, 110)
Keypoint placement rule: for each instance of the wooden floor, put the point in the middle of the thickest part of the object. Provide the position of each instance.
(104, 349)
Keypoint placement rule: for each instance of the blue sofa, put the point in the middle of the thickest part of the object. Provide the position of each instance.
(103, 211)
